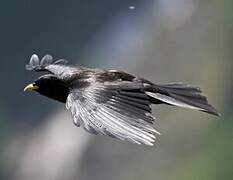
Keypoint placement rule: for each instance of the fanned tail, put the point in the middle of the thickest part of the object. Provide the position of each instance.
(181, 95)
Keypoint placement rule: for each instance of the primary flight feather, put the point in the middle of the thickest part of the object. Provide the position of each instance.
(111, 102)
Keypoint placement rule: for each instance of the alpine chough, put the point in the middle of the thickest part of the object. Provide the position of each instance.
(111, 102)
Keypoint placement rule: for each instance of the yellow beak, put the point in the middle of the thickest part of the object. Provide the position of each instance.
(30, 88)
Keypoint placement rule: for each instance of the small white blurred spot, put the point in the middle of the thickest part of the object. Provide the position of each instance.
(131, 7)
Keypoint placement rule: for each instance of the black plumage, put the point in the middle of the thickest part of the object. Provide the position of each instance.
(52, 87)
(111, 102)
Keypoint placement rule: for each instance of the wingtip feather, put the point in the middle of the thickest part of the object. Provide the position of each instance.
(35, 64)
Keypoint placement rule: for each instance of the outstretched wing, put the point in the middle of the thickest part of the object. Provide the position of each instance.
(121, 110)
(58, 67)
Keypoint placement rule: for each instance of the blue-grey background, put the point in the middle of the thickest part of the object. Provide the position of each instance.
(161, 40)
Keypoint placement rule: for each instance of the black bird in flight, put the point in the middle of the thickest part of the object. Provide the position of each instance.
(111, 102)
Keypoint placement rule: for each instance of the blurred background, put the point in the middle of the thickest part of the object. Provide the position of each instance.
(161, 40)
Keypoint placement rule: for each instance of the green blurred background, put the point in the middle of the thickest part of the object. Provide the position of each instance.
(161, 40)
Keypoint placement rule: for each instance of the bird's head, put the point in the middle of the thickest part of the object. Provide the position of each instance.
(49, 86)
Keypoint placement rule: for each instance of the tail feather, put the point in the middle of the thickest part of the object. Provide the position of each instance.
(182, 95)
